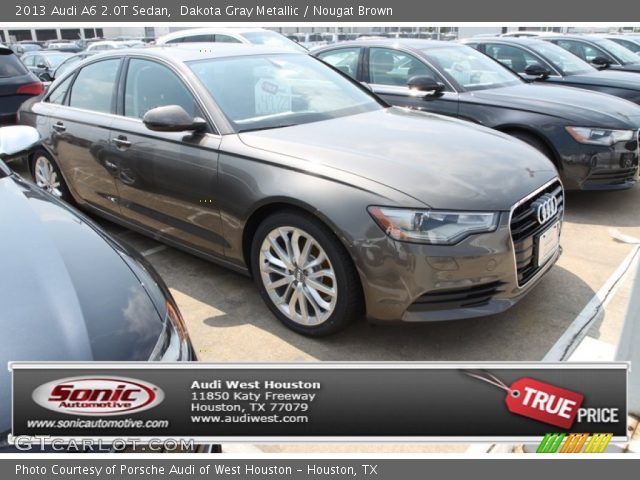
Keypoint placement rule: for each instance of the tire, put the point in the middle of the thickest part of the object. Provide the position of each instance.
(327, 287)
(46, 175)
(535, 142)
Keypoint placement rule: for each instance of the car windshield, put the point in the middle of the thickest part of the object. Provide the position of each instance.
(567, 63)
(258, 92)
(271, 39)
(470, 69)
(57, 59)
(10, 65)
(623, 54)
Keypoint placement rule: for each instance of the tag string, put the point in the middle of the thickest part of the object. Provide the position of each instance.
(487, 377)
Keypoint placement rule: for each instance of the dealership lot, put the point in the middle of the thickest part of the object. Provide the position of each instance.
(228, 321)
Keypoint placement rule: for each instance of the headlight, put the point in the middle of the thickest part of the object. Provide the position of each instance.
(437, 227)
(599, 136)
(173, 344)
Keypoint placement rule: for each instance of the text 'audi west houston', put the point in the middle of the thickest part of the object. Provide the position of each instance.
(276, 165)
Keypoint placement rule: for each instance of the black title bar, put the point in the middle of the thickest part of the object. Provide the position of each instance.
(387, 11)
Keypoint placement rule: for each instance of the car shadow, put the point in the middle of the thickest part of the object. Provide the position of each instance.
(232, 320)
(615, 208)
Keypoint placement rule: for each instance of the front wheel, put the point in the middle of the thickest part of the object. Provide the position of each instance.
(304, 274)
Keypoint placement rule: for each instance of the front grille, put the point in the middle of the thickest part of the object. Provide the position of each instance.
(612, 177)
(454, 298)
(525, 227)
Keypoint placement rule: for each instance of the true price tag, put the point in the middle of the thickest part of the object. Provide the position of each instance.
(537, 400)
(543, 402)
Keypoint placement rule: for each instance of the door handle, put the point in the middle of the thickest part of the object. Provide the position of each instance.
(121, 142)
(59, 127)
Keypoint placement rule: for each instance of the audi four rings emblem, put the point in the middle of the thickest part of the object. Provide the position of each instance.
(547, 208)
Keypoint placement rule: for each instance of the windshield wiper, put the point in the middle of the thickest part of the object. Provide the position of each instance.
(257, 129)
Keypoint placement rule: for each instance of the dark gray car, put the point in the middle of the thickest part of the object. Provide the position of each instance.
(590, 137)
(273, 164)
(69, 291)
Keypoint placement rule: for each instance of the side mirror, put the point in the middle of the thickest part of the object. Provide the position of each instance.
(423, 83)
(172, 118)
(41, 65)
(45, 77)
(537, 70)
(601, 62)
(16, 140)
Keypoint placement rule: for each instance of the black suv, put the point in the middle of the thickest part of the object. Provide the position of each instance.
(16, 85)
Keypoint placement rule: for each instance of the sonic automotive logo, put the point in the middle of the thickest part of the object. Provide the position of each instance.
(98, 396)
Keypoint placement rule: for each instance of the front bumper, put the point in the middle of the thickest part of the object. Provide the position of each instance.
(590, 167)
(482, 275)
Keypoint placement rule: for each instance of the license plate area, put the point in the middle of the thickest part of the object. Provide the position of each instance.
(547, 243)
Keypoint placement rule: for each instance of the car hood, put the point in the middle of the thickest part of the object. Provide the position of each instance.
(576, 105)
(66, 293)
(439, 161)
(612, 78)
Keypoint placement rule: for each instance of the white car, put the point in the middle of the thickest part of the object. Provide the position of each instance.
(528, 33)
(106, 45)
(255, 36)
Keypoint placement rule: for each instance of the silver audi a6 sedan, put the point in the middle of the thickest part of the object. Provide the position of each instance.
(280, 167)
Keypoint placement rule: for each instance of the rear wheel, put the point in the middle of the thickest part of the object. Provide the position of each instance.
(47, 175)
(304, 274)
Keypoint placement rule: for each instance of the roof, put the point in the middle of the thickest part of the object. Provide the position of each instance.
(47, 52)
(209, 30)
(514, 40)
(187, 52)
(415, 43)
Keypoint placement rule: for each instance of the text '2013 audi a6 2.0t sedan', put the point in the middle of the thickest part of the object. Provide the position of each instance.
(276, 165)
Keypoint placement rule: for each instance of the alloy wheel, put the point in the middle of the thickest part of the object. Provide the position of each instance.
(298, 276)
(46, 176)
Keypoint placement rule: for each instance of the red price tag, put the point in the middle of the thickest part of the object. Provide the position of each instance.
(543, 402)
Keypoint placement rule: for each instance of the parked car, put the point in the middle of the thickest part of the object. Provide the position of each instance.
(70, 47)
(630, 42)
(68, 290)
(590, 137)
(311, 40)
(71, 62)
(271, 163)
(599, 51)
(539, 61)
(21, 48)
(43, 63)
(527, 34)
(251, 36)
(17, 84)
(105, 45)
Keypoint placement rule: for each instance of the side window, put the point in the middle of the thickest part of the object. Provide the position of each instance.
(225, 39)
(634, 47)
(150, 84)
(29, 60)
(57, 96)
(583, 50)
(391, 67)
(344, 59)
(198, 39)
(511, 57)
(176, 40)
(39, 60)
(94, 86)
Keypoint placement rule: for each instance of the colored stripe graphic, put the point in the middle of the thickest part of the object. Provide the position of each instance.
(598, 442)
(574, 443)
(550, 443)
